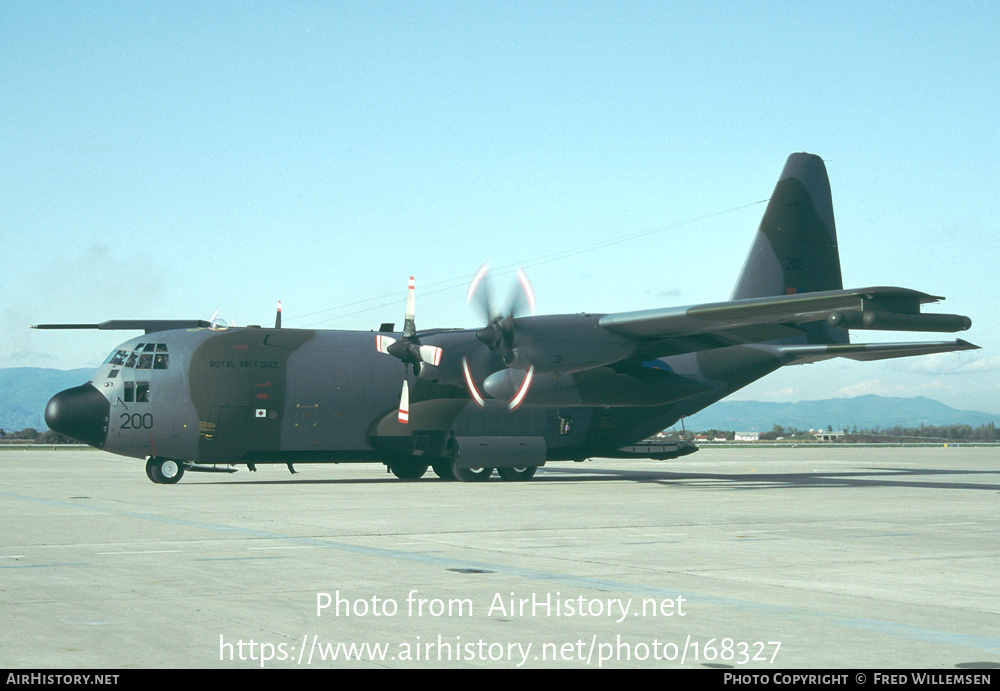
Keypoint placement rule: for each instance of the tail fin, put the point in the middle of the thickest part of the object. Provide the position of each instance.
(795, 250)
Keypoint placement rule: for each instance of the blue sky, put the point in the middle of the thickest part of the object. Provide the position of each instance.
(166, 159)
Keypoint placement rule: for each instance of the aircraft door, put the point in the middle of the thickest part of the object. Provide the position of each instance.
(319, 402)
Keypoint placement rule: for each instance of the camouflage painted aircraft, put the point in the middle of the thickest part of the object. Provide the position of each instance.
(511, 396)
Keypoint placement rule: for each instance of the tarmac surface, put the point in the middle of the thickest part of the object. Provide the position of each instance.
(750, 558)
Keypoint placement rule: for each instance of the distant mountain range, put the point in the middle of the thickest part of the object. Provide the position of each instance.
(865, 412)
(24, 391)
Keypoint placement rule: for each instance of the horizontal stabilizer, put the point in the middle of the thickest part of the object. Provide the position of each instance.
(802, 354)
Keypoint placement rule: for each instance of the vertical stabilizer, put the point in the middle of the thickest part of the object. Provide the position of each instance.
(795, 250)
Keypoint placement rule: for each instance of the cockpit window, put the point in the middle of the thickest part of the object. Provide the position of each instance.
(136, 392)
(145, 356)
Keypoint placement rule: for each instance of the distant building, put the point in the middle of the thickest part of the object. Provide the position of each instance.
(747, 436)
(828, 436)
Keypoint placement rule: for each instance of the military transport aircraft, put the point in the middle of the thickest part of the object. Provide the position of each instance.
(512, 395)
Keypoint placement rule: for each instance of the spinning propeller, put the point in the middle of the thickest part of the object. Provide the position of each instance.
(409, 350)
(499, 334)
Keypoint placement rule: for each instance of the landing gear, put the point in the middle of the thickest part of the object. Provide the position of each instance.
(407, 467)
(443, 470)
(470, 474)
(408, 470)
(164, 471)
(517, 474)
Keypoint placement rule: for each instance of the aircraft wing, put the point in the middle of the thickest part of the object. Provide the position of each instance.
(677, 330)
(779, 310)
(147, 325)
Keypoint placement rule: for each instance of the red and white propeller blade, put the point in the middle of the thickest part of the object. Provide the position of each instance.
(404, 404)
(529, 292)
(409, 351)
(470, 384)
(476, 280)
(382, 343)
(522, 391)
(409, 326)
(430, 355)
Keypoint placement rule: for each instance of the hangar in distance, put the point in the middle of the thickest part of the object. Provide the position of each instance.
(518, 392)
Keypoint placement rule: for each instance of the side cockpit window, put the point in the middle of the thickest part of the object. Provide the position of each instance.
(136, 392)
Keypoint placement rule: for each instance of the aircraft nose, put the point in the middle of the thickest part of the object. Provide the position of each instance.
(81, 413)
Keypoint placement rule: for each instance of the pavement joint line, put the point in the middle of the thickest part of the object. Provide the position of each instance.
(986, 643)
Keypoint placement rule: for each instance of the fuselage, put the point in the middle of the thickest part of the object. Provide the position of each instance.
(259, 395)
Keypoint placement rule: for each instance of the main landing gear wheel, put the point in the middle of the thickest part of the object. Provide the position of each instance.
(517, 474)
(471, 474)
(408, 470)
(444, 470)
(164, 471)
